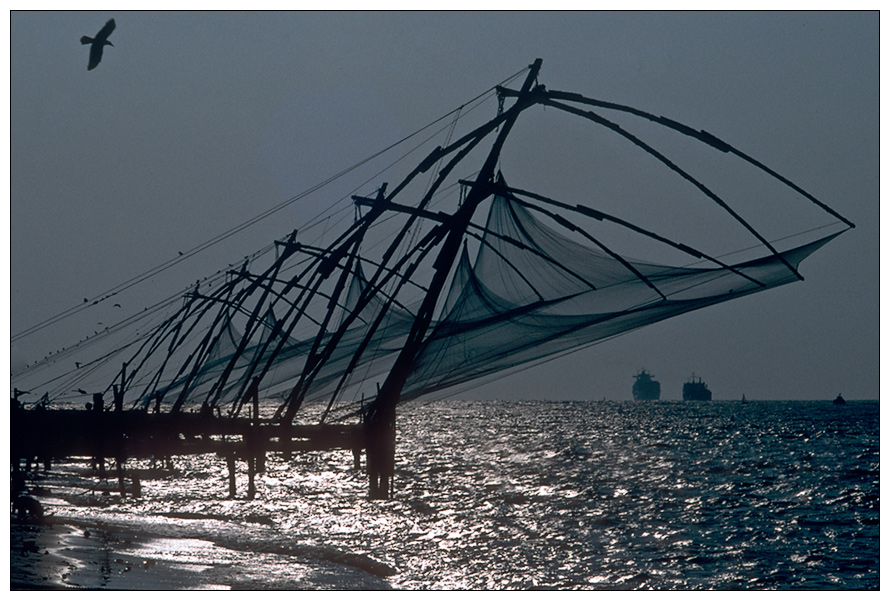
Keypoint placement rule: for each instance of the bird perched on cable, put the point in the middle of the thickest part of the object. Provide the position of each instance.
(98, 43)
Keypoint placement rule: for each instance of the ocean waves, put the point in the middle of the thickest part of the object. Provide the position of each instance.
(541, 495)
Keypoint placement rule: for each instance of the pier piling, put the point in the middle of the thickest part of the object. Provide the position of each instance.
(230, 461)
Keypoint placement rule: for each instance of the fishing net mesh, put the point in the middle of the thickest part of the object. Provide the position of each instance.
(531, 292)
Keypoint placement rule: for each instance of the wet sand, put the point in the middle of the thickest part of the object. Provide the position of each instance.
(68, 555)
(67, 551)
(64, 556)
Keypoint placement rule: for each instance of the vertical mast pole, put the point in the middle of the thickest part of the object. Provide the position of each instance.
(380, 420)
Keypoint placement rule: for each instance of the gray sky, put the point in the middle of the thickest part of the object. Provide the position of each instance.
(194, 123)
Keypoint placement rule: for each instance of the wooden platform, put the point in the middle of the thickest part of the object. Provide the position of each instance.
(47, 434)
(67, 433)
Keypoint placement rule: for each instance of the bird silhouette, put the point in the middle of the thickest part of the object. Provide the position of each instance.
(98, 43)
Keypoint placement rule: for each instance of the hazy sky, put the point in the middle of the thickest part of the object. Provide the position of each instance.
(194, 123)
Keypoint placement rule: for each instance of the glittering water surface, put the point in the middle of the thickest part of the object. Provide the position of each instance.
(520, 495)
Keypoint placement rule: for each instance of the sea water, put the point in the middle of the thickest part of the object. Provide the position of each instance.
(496, 495)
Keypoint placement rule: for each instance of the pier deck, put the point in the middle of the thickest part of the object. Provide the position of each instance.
(48, 434)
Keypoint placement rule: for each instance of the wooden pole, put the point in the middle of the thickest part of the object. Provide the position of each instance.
(251, 471)
(119, 393)
(381, 419)
(230, 461)
(99, 433)
(137, 485)
(120, 476)
(259, 454)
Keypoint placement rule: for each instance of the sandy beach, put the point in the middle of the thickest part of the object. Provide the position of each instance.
(36, 561)
(62, 553)
(59, 556)
(73, 549)
(69, 555)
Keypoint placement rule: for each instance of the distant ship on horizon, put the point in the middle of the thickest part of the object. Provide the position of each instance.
(645, 387)
(696, 390)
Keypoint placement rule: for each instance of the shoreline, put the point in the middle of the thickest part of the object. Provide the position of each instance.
(68, 555)
(35, 559)
(65, 552)
(74, 554)
(163, 550)
(513, 509)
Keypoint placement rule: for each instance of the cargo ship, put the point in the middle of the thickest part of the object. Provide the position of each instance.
(696, 391)
(645, 388)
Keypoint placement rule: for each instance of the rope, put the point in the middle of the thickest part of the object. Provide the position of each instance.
(235, 230)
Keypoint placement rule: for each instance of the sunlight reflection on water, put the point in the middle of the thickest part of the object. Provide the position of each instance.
(564, 495)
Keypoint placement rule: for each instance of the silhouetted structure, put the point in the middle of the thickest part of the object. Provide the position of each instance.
(645, 388)
(98, 43)
(445, 297)
(101, 433)
(696, 390)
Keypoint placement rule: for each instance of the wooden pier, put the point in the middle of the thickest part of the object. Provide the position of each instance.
(48, 434)
(403, 308)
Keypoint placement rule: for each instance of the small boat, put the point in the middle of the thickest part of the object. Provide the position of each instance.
(839, 400)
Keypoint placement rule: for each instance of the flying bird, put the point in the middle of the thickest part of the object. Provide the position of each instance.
(98, 43)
